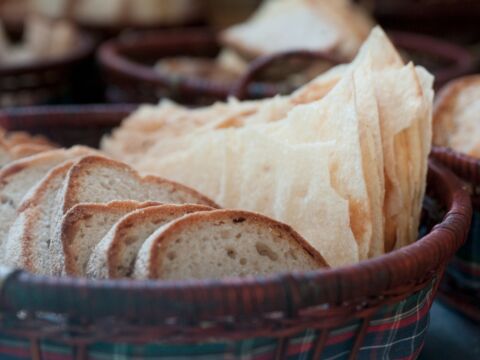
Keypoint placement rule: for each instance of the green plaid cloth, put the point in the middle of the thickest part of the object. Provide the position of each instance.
(465, 267)
(394, 332)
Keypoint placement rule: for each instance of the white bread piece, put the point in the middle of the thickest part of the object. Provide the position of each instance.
(28, 241)
(307, 30)
(18, 177)
(114, 256)
(96, 179)
(338, 26)
(290, 183)
(456, 116)
(155, 129)
(224, 243)
(83, 226)
(149, 124)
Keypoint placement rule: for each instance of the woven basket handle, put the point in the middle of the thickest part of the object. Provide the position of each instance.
(464, 166)
(256, 67)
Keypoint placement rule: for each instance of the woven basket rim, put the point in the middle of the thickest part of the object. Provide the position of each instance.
(111, 57)
(463, 165)
(83, 48)
(366, 279)
(462, 60)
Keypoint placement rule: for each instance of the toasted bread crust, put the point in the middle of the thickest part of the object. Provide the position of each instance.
(70, 223)
(118, 242)
(78, 170)
(447, 96)
(166, 237)
(20, 164)
(33, 213)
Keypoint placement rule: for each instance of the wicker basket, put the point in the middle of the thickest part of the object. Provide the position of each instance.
(375, 309)
(461, 285)
(48, 81)
(131, 80)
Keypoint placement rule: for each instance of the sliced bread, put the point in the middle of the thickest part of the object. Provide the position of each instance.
(18, 177)
(96, 179)
(83, 226)
(28, 241)
(224, 243)
(115, 254)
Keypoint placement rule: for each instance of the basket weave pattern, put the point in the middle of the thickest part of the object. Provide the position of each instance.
(461, 285)
(375, 308)
(44, 81)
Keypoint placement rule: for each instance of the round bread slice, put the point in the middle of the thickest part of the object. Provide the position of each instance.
(224, 243)
(455, 119)
(28, 241)
(97, 179)
(114, 256)
(83, 226)
(19, 176)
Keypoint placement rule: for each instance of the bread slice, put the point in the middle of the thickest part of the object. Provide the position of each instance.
(96, 179)
(99, 180)
(455, 123)
(19, 176)
(224, 243)
(83, 226)
(28, 240)
(115, 254)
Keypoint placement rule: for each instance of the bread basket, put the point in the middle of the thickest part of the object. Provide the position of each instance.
(375, 309)
(443, 18)
(131, 80)
(56, 80)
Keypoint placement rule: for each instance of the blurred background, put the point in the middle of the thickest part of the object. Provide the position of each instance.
(117, 51)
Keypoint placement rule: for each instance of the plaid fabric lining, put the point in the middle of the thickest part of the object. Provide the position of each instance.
(394, 332)
(465, 268)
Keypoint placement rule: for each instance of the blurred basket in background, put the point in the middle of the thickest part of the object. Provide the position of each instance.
(109, 18)
(377, 308)
(59, 79)
(130, 76)
(128, 64)
(456, 20)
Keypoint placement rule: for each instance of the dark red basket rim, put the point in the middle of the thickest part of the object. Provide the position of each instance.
(285, 292)
(111, 58)
(84, 47)
(462, 60)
